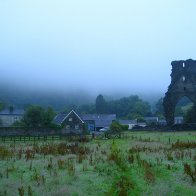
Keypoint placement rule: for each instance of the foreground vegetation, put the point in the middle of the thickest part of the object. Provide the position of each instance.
(144, 163)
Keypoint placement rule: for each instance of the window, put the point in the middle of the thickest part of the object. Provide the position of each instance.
(67, 126)
(70, 119)
(76, 127)
(183, 78)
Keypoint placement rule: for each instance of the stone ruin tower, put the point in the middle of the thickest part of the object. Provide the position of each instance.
(183, 84)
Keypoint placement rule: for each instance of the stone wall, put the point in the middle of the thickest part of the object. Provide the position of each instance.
(8, 120)
(18, 131)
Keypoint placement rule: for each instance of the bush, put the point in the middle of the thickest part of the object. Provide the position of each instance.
(4, 153)
(125, 127)
(115, 127)
(190, 172)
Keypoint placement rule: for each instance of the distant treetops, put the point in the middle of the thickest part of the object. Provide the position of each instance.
(127, 107)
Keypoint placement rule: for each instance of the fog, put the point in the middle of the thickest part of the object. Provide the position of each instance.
(114, 47)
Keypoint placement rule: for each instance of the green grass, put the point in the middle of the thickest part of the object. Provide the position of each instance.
(145, 163)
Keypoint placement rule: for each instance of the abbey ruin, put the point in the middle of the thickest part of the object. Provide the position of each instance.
(183, 84)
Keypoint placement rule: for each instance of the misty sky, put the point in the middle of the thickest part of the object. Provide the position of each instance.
(95, 45)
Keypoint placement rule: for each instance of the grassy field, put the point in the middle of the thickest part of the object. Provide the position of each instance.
(144, 163)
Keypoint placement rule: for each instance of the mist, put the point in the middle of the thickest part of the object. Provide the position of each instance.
(83, 48)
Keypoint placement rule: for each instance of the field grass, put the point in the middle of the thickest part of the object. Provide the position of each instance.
(144, 163)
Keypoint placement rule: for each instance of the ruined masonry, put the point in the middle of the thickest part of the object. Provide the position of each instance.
(183, 83)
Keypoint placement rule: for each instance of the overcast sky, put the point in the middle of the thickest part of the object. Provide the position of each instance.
(95, 45)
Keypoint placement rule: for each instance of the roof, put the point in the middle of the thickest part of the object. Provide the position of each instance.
(127, 122)
(141, 124)
(19, 112)
(179, 118)
(162, 121)
(101, 120)
(151, 118)
(59, 118)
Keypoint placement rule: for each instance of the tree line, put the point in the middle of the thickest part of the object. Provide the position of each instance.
(131, 107)
(37, 116)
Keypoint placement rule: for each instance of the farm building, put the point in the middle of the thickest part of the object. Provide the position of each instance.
(8, 117)
(95, 122)
(130, 123)
(178, 120)
(71, 122)
(151, 120)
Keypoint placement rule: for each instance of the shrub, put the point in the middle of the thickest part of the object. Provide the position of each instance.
(4, 153)
(190, 172)
(125, 127)
(168, 166)
(61, 164)
(131, 159)
(70, 167)
(122, 186)
(19, 153)
(21, 191)
(149, 176)
(115, 127)
(180, 145)
(37, 177)
(29, 154)
(30, 192)
(169, 156)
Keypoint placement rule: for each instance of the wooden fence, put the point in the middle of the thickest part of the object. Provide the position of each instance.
(81, 138)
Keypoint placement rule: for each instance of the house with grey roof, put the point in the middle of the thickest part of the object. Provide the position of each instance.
(151, 120)
(8, 117)
(71, 123)
(162, 122)
(178, 120)
(95, 122)
(141, 124)
(130, 123)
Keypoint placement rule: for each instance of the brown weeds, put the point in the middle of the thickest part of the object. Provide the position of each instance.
(190, 172)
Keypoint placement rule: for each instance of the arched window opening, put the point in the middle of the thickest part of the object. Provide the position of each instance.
(183, 78)
(183, 65)
(181, 109)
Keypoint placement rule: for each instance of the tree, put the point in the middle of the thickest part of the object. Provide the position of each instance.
(190, 116)
(159, 107)
(127, 106)
(101, 105)
(2, 105)
(49, 115)
(137, 117)
(115, 127)
(11, 108)
(141, 108)
(86, 109)
(34, 116)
